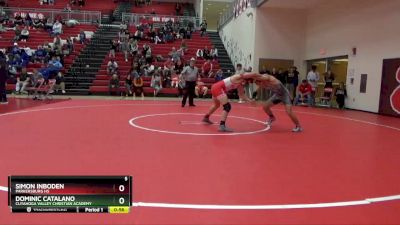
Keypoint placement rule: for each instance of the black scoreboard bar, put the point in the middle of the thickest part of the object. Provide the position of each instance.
(70, 194)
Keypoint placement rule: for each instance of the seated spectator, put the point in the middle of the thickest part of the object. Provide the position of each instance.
(175, 56)
(24, 34)
(114, 84)
(219, 75)
(112, 66)
(68, 48)
(206, 53)
(37, 23)
(18, 19)
(133, 47)
(68, 8)
(60, 83)
(199, 53)
(181, 85)
(156, 82)
(182, 33)
(148, 55)
(72, 23)
(207, 68)
(22, 81)
(2, 28)
(53, 67)
(184, 47)
(341, 95)
(40, 54)
(28, 20)
(57, 28)
(128, 84)
(138, 86)
(174, 80)
(82, 37)
(48, 25)
(214, 53)
(73, 2)
(178, 67)
(304, 91)
(201, 89)
(81, 3)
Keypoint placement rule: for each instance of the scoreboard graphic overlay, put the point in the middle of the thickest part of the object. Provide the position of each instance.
(70, 194)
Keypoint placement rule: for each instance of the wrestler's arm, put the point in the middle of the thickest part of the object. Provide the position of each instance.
(242, 95)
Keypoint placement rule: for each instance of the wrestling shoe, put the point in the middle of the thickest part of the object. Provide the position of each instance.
(270, 121)
(207, 120)
(223, 128)
(297, 129)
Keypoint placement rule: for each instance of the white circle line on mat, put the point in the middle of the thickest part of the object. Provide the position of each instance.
(132, 123)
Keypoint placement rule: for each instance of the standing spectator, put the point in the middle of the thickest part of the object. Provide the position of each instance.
(128, 84)
(190, 75)
(114, 84)
(57, 43)
(17, 32)
(113, 48)
(341, 94)
(60, 83)
(214, 53)
(81, 3)
(138, 86)
(304, 93)
(292, 79)
(3, 79)
(112, 66)
(125, 48)
(82, 37)
(313, 78)
(329, 77)
(203, 28)
(207, 68)
(178, 8)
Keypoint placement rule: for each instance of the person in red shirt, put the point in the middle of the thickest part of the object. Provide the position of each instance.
(304, 93)
(207, 68)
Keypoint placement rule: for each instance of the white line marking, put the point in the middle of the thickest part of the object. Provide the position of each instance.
(132, 123)
(237, 207)
(3, 188)
(259, 207)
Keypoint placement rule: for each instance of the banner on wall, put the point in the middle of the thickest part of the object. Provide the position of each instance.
(389, 103)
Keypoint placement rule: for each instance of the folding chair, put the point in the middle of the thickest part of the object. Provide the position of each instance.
(326, 99)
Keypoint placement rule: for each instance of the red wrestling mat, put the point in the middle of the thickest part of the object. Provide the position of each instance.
(255, 175)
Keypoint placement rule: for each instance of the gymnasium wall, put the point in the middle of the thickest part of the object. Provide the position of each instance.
(370, 26)
(237, 37)
(280, 34)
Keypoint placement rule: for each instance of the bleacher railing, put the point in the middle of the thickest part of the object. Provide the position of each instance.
(135, 19)
(84, 17)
